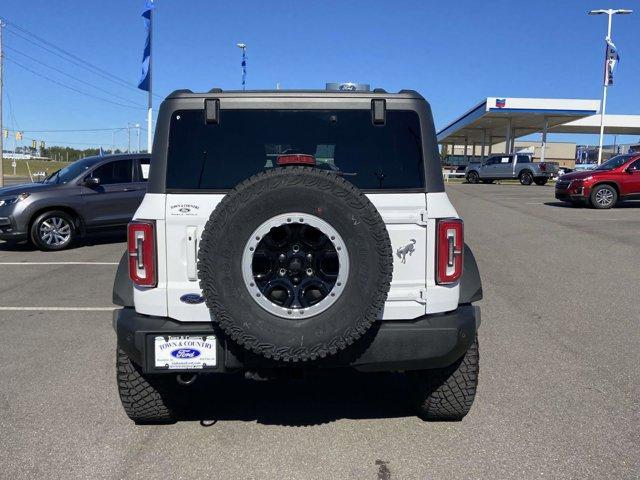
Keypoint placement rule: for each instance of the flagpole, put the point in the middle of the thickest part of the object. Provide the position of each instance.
(604, 95)
(149, 100)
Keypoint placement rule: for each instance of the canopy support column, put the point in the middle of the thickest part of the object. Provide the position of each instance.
(466, 149)
(484, 142)
(507, 138)
(544, 139)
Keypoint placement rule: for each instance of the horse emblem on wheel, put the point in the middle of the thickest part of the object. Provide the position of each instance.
(408, 249)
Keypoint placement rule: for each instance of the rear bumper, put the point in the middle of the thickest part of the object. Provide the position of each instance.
(432, 341)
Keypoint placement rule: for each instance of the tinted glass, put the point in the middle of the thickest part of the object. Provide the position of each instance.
(245, 142)
(635, 166)
(70, 172)
(614, 162)
(524, 159)
(119, 171)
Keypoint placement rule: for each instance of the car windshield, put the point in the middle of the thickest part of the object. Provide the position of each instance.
(614, 162)
(68, 173)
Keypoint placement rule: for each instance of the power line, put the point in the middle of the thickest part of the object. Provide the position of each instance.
(115, 129)
(68, 56)
(67, 74)
(69, 87)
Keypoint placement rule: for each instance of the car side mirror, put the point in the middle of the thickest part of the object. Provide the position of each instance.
(92, 181)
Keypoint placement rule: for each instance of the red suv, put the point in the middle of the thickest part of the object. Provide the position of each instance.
(616, 179)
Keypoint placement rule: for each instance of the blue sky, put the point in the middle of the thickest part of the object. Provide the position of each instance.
(455, 53)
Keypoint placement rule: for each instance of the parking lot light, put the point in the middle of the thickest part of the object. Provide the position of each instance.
(610, 13)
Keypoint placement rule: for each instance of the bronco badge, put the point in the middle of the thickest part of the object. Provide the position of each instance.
(408, 249)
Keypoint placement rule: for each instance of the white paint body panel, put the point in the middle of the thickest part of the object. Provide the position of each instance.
(180, 220)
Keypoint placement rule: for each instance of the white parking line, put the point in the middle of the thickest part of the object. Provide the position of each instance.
(59, 309)
(58, 263)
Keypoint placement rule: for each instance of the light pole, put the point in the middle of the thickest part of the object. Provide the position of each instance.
(138, 133)
(610, 13)
(243, 47)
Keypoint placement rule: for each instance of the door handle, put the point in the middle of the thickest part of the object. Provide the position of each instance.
(192, 250)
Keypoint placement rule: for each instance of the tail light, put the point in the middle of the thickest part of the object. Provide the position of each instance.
(449, 250)
(141, 244)
(543, 167)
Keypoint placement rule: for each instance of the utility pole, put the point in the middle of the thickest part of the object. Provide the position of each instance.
(138, 134)
(113, 141)
(610, 13)
(128, 137)
(1, 93)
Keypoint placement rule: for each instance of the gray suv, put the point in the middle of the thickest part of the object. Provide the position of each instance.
(91, 193)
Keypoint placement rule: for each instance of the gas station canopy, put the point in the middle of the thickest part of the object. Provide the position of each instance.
(500, 119)
(613, 124)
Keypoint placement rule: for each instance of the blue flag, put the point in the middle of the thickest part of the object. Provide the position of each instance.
(145, 79)
(611, 58)
(244, 68)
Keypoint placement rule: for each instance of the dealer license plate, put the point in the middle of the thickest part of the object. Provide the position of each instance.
(185, 352)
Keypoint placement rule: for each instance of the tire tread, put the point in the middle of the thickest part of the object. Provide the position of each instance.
(145, 399)
(448, 393)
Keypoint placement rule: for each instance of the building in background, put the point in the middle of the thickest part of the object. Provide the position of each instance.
(562, 153)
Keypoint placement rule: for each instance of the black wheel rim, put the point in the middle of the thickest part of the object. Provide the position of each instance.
(295, 266)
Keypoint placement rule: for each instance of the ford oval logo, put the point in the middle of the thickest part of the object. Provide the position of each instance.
(192, 298)
(185, 353)
(185, 210)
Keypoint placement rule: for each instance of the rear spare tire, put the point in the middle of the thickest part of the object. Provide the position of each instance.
(295, 264)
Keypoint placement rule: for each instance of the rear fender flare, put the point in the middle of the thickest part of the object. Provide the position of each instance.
(470, 284)
(123, 285)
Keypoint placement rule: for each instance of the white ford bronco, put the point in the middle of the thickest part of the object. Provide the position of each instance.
(294, 231)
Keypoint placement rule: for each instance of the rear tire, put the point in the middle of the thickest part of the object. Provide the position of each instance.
(541, 181)
(447, 394)
(526, 177)
(145, 398)
(473, 177)
(53, 230)
(603, 197)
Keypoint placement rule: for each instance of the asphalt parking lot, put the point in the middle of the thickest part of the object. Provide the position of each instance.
(559, 380)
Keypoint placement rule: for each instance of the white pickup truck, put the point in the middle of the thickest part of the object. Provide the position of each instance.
(513, 166)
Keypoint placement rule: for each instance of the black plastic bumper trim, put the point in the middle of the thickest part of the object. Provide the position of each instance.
(432, 341)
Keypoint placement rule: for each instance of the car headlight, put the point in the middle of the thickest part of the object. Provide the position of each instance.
(12, 200)
(582, 180)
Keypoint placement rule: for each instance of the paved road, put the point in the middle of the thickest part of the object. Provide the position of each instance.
(559, 373)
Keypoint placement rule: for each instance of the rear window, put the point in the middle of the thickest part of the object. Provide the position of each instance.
(245, 142)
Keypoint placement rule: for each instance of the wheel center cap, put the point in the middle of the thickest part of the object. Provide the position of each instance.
(295, 265)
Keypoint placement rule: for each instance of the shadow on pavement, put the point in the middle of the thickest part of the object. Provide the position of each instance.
(621, 205)
(97, 238)
(321, 398)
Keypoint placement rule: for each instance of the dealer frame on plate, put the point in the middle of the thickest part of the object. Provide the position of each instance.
(188, 352)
